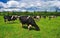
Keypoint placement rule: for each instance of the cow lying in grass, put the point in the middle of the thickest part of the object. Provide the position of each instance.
(29, 21)
(9, 18)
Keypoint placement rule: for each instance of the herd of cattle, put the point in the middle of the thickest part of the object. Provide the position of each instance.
(28, 20)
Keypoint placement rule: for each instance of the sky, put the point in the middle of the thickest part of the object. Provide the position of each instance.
(29, 5)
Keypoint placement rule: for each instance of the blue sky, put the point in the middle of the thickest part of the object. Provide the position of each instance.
(30, 5)
(4, 1)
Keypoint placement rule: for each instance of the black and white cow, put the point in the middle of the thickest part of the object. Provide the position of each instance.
(29, 21)
(37, 17)
(9, 18)
(50, 17)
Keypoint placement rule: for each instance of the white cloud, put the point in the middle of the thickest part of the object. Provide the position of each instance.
(2, 4)
(13, 4)
(29, 3)
(23, 5)
(11, 9)
(23, 10)
(57, 3)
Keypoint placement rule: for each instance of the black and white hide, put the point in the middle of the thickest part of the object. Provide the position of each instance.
(29, 21)
(50, 17)
(9, 18)
(36, 17)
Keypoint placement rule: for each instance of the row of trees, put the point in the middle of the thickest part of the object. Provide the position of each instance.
(31, 13)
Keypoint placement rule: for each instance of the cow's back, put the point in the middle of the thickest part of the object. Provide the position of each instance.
(23, 19)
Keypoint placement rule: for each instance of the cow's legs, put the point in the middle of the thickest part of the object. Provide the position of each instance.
(5, 20)
(22, 25)
(29, 26)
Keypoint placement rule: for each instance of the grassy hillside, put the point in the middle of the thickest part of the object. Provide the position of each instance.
(48, 29)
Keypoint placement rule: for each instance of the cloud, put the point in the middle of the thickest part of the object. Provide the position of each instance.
(31, 4)
(23, 5)
(2, 5)
(57, 3)
(11, 9)
(13, 4)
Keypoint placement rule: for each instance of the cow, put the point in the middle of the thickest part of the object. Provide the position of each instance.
(37, 17)
(9, 18)
(29, 21)
(50, 17)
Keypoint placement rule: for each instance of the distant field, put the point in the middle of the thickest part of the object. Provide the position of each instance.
(48, 29)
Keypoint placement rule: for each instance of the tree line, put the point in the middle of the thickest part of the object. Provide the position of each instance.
(45, 13)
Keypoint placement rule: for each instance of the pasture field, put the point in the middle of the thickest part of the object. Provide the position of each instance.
(48, 29)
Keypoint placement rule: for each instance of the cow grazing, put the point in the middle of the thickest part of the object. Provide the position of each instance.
(9, 18)
(37, 17)
(29, 21)
(50, 17)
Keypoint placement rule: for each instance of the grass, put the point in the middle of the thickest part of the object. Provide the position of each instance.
(48, 29)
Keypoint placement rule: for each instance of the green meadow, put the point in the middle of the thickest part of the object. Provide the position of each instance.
(48, 29)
